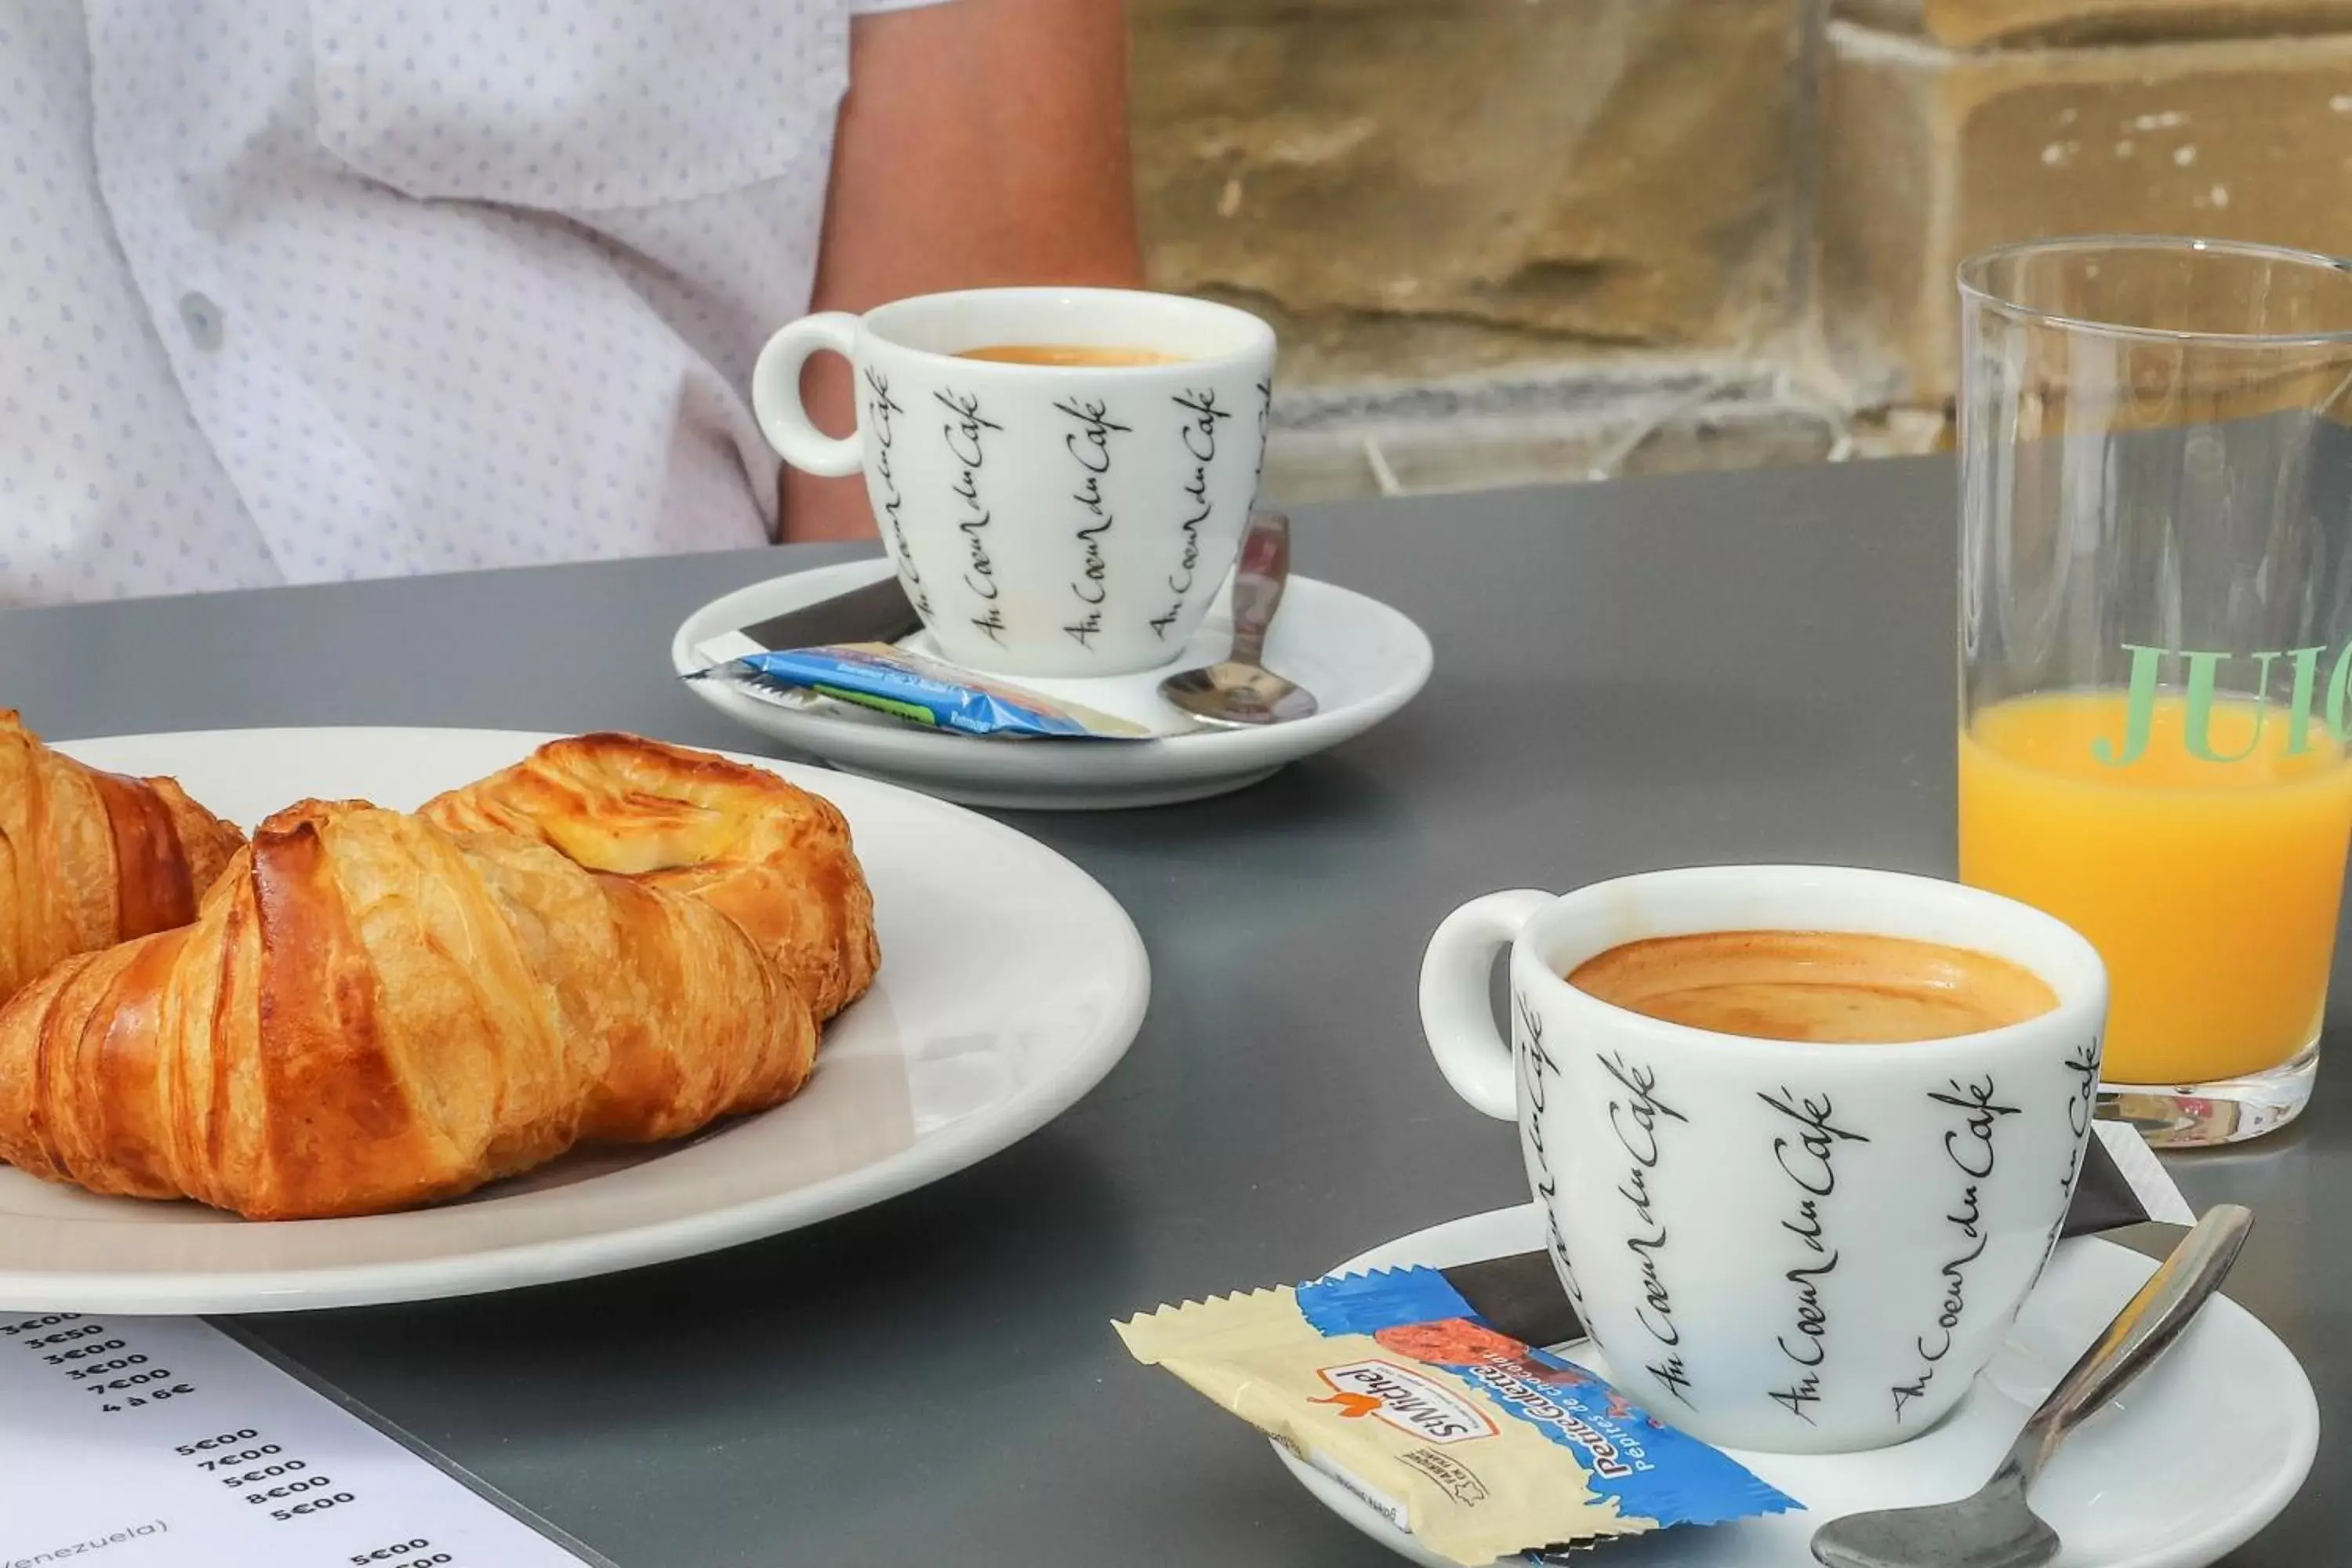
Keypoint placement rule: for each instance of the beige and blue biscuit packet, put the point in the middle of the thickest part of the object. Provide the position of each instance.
(1478, 1444)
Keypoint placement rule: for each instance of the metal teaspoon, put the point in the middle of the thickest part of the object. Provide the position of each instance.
(1995, 1528)
(1241, 691)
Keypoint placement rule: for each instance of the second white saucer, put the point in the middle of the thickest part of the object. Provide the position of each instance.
(1362, 660)
(2198, 1454)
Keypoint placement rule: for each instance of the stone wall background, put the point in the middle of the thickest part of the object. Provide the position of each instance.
(1516, 240)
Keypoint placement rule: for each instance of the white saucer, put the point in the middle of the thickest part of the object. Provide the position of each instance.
(1362, 660)
(2201, 1452)
(1011, 983)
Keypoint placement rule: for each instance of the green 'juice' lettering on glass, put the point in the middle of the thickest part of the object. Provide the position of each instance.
(2204, 673)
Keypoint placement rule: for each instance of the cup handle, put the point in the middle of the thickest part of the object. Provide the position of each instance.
(776, 396)
(1455, 1016)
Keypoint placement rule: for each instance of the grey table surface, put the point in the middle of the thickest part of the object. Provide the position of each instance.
(1742, 667)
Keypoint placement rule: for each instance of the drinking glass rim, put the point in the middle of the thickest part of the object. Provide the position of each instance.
(1971, 272)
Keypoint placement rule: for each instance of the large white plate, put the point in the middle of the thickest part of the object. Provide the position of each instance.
(2201, 1452)
(1362, 660)
(1011, 983)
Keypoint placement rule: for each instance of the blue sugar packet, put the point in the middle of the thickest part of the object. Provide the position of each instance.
(919, 691)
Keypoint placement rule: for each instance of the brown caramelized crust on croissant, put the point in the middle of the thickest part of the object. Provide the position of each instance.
(90, 859)
(776, 858)
(370, 1011)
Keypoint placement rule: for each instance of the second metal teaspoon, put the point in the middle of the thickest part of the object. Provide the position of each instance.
(1241, 691)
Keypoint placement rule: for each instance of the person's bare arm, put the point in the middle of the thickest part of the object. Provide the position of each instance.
(982, 141)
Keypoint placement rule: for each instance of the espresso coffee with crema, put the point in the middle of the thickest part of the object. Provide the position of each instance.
(1825, 988)
(1081, 354)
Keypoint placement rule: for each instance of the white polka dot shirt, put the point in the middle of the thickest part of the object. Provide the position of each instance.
(300, 290)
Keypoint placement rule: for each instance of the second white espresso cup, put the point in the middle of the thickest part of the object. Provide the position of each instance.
(1779, 1245)
(1047, 519)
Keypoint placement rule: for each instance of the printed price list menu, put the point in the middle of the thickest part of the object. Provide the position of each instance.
(131, 1442)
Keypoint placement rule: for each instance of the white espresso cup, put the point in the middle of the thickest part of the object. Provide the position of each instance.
(1047, 519)
(1783, 1246)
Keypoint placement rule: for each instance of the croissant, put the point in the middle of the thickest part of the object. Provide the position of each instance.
(370, 1012)
(91, 859)
(776, 858)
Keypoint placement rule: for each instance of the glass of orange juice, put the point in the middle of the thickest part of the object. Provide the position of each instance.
(2155, 661)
